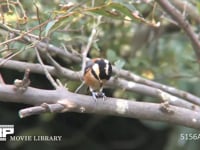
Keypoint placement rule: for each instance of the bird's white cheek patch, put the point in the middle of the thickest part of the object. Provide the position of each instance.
(122, 106)
(106, 68)
(95, 67)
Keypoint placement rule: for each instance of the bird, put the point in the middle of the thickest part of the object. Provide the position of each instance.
(96, 73)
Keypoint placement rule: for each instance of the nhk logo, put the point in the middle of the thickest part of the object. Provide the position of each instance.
(6, 130)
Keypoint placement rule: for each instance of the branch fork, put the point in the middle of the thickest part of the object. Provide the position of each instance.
(22, 85)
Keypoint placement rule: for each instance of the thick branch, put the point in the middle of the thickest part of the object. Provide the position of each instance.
(176, 92)
(114, 82)
(153, 92)
(176, 15)
(37, 68)
(122, 73)
(112, 106)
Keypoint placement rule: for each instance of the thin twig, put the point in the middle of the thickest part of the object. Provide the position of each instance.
(48, 75)
(87, 49)
(188, 8)
(39, 22)
(57, 66)
(11, 40)
(13, 55)
(40, 109)
(30, 38)
(89, 44)
(20, 34)
(177, 16)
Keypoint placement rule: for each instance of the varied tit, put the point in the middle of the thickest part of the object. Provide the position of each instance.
(97, 72)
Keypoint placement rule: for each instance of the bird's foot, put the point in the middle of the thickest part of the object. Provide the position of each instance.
(97, 95)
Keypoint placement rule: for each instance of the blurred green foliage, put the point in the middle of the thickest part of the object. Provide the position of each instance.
(130, 37)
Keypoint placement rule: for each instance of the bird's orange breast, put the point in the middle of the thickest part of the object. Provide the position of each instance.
(92, 82)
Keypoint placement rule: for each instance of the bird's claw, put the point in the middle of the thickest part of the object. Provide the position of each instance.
(96, 95)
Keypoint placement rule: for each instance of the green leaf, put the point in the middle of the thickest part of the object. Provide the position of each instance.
(124, 8)
(58, 23)
(117, 10)
(105, 12)
(49, 27)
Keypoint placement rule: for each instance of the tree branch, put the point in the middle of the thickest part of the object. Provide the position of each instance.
(113, 83)
(171, 90)
(151, 91)
(188, 8)
(122, 73)
(37, 68)
(85, 104)
(48, 75)
(29, 38)
(41, 109)
(176, 15)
